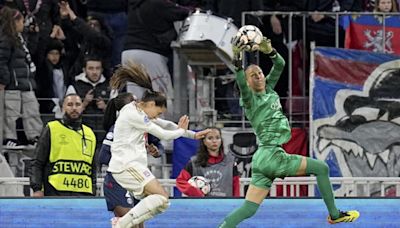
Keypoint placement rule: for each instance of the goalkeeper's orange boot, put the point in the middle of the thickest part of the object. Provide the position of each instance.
(345, 216)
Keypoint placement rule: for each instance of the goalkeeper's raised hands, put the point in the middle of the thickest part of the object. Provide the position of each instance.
(266, 47)
(237, 49)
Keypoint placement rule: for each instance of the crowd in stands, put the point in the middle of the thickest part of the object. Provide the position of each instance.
(73, 46)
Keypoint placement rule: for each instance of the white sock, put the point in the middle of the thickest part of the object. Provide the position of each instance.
(144, 210)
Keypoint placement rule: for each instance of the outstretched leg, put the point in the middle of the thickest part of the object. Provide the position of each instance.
(155, 202)
(321, 170)
(254, 197)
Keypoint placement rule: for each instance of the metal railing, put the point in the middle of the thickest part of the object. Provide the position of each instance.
(296, 105)
(291, 186)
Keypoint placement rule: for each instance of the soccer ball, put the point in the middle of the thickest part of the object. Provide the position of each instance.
(201, 183)
(251, 36)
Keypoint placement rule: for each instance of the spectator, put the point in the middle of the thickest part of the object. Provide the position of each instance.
(64, 144)
(235, 8)
(17, 72)
(114, 14)
(85, 38)
(52, 77)
(150, 32)
(350, 5)
(385, 6)
(42, 16)
(320, 27)
(210, 161)
(276, 28)
(79, 7)
(92, 86)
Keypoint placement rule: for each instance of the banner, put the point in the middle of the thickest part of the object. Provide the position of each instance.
(365, 32)
(355, 121)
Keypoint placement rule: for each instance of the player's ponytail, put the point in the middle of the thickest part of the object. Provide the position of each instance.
(131, 72)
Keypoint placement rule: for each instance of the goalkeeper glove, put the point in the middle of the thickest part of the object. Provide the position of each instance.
(237, 49)
(266, 47)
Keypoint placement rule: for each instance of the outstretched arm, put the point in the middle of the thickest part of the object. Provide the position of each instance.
(279, 63)
(161, 133)
(169, 125)
(245, 92)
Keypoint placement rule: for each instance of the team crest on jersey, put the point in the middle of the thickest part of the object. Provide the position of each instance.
(146, 120)
(110, 136)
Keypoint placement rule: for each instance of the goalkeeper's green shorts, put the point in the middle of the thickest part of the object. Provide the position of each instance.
(270, 162)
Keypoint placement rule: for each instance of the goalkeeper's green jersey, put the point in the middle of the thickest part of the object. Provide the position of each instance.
(264, 110)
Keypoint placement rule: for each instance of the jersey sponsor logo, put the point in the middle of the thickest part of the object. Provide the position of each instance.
(276, 105)
(72, 167)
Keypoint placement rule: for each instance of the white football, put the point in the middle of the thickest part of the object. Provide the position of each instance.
(251, 36)
(201, 183)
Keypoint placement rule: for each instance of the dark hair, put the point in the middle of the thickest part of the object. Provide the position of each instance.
(202, 152)
(7, 24)
(114, 105)
(133, 72)
(54, 44)
(104, 27)
(159, 98)
(68, 95)
(88, 58)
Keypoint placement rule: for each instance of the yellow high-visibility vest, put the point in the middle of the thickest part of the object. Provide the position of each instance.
(71, 157)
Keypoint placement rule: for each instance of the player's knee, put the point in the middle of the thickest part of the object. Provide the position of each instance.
(160, 202)
(323, 168)
(165, 204)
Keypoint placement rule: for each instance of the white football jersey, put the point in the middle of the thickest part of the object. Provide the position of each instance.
(129, 145)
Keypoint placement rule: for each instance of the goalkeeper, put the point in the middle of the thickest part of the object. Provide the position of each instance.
(263, 109)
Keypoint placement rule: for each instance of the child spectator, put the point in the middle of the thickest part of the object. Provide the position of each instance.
(17, 72)
(52, 78)
(211, 163)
